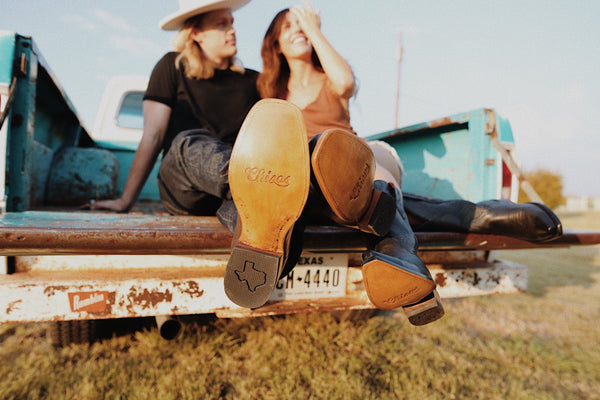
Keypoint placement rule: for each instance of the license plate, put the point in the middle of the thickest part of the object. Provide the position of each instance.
(314, 276)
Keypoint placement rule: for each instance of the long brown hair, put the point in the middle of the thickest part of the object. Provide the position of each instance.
(273, 81)
(191, 56)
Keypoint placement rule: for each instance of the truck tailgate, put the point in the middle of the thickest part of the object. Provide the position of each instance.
(98, 265)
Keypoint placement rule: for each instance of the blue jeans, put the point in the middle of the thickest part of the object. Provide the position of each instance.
(193, 178)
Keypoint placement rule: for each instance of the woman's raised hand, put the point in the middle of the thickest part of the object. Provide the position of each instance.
(309, 20)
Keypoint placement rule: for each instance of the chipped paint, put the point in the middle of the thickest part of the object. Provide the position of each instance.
(148, 298)
(191, 288)
(11, 306)
(44, 296)
(440, 279)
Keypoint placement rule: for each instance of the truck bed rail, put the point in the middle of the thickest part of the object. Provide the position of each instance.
(47, 233)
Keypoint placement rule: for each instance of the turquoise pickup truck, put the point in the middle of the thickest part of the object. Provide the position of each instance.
(74, 267)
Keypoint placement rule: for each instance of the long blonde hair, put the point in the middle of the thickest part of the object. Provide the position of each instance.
(191, 56)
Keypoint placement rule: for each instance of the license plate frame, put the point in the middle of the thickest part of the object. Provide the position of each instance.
(315, 276)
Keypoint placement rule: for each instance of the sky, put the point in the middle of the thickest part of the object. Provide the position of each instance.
(535, 62)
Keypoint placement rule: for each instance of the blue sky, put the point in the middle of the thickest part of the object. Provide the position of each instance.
(535, 62)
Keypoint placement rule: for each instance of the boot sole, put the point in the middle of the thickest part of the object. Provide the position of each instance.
(344, 167)
(269, 179)
(428, 310)
(389, 286)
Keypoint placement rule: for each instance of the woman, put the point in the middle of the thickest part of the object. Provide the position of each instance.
(301, 66)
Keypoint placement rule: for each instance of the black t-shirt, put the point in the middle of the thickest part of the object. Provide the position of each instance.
(218, 104)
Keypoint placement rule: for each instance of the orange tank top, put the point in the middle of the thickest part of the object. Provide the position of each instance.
(326, 112)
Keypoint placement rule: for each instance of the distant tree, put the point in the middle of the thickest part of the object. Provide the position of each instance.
(547, 184)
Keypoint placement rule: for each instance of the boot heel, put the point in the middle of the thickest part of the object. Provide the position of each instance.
(379, 217)
(427, 310)
(251, 276)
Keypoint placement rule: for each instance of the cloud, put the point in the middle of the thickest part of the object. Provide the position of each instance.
(98, 20)
(111, 21)
(116, 31)
(136, 46)
(79, 22)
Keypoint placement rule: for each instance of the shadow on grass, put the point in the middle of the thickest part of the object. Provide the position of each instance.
(208, 323)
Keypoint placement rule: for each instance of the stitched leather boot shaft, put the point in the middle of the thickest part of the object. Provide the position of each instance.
(529, 221)
(400, 242)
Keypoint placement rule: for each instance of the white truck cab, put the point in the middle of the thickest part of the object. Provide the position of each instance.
(119, 117)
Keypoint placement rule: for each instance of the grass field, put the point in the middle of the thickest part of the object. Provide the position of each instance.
(543, 344)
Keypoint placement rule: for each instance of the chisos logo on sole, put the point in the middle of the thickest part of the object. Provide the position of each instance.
(88, 301)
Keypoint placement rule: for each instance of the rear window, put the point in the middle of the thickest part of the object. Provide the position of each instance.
(130, 113)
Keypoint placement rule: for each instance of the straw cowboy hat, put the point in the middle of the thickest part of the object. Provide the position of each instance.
(190, 8)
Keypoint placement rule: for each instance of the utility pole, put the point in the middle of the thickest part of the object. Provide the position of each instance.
(400, 49)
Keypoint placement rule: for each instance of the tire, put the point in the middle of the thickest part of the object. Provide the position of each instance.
(64, 333)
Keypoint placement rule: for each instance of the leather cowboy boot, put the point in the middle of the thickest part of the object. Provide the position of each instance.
(394, 275)
(343, 189)
(343, 170)
(529, 221)
(269, 179)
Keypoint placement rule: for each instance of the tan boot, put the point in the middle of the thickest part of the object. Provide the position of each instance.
(269, 179)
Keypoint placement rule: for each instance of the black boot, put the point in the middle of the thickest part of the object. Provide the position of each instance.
(530, 221)
(394, 275)
(342, 174)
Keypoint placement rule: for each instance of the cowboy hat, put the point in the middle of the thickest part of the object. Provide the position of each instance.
(190, 8)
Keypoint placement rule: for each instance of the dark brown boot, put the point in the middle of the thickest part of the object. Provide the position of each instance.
(343, 169)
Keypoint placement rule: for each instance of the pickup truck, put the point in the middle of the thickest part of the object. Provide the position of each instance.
(74, 267)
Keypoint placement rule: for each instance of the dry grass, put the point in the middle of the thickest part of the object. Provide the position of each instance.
(544, 344)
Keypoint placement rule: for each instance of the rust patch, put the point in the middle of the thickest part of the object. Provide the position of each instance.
(148, 298)
(441, 122)
(190, 288)
(51, 290)
(495, 278)
(13, 238)
(440, 279)
(476, 279)
(112, 296)
(12, 305)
